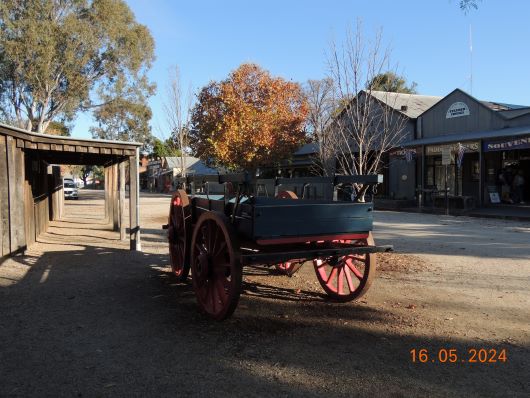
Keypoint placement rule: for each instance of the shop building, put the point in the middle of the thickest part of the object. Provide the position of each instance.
(474, 148)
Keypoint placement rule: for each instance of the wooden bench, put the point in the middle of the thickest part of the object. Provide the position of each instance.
(455, 201)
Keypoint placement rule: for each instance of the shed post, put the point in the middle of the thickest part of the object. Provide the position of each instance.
(107, 182)
(4, 200)
(115, 198)
(134, 202)
(122, 200)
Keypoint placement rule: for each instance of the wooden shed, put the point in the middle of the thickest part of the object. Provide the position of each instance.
(31, 189)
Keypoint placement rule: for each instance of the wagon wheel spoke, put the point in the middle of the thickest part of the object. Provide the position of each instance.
(332, 275)
(340, 281)
(354, 269)
(348, 279)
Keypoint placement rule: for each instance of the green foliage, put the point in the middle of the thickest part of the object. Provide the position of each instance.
(164, 148)
(58, 128)
(125, 117)
(391, 82)
(60, 57)
(467, 5)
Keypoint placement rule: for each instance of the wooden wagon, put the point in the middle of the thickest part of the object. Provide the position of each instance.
(215, 235)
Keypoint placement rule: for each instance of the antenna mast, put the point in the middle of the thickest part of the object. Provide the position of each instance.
(471, 61)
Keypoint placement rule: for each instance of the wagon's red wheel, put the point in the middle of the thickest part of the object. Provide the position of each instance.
(288, 267)
(179, 234)
(215, 265)
(286, 195)
(348, 277)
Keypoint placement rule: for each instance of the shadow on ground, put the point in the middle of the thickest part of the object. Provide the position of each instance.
(107, 322)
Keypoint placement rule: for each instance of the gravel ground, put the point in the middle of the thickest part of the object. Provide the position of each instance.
(83, 316)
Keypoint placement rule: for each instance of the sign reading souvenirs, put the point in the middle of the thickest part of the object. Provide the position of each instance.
(517, 143)
(457, 109)
(437, 149)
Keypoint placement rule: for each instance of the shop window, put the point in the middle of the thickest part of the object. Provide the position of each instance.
(475, 170)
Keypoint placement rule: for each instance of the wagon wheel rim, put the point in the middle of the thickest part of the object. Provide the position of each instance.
(286, 195)
(287, 267)
(347, 277)
(179, 234)
(215, 266)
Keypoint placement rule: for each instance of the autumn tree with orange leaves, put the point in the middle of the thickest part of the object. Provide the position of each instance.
(249, 120)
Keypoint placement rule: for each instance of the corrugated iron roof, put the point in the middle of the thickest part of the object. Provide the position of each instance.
(411, 105)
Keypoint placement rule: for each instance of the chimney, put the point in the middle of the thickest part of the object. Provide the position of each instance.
(404, 108)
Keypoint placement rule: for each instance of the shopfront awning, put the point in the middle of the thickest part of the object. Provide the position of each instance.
(471, 136)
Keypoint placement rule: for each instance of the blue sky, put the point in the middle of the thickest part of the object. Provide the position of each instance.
(429, 42)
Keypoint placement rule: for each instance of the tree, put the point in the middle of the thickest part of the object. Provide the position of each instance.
(467, 5)
(81, 172)
(177, 108)
(366, 127)
(61, 57)
(321, 108)
(58, 128)
(390, 82)
(124, 118)
(164, 148)
(248, 120)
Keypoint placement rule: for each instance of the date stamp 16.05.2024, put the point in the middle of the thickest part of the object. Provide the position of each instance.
(453, 355)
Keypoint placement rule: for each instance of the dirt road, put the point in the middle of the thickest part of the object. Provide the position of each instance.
(80, 315)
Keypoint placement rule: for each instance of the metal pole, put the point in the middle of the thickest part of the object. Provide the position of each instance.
(446, 196)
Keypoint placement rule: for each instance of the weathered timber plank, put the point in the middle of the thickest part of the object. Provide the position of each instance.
(122, 200)
(18, 230)
(43, 146)
(115, 199)
(4, 200)
(135, 242)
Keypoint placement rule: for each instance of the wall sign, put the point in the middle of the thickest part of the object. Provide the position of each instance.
(517, 143)
(457, 109)
(437, 149)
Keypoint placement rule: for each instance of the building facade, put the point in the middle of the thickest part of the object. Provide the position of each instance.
(476, 148)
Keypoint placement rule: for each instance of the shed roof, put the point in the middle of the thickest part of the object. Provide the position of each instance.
(69, 150)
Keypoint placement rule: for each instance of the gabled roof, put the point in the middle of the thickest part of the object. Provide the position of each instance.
(505, 111)
(174, 161)
(411, 105)
(307, 149)
(193, 165)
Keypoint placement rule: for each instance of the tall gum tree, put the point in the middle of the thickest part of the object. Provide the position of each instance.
(59, 57)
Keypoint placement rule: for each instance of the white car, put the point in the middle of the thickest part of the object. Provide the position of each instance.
(70, 190)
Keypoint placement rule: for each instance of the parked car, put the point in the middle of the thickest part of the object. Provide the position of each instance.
(70, 189)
